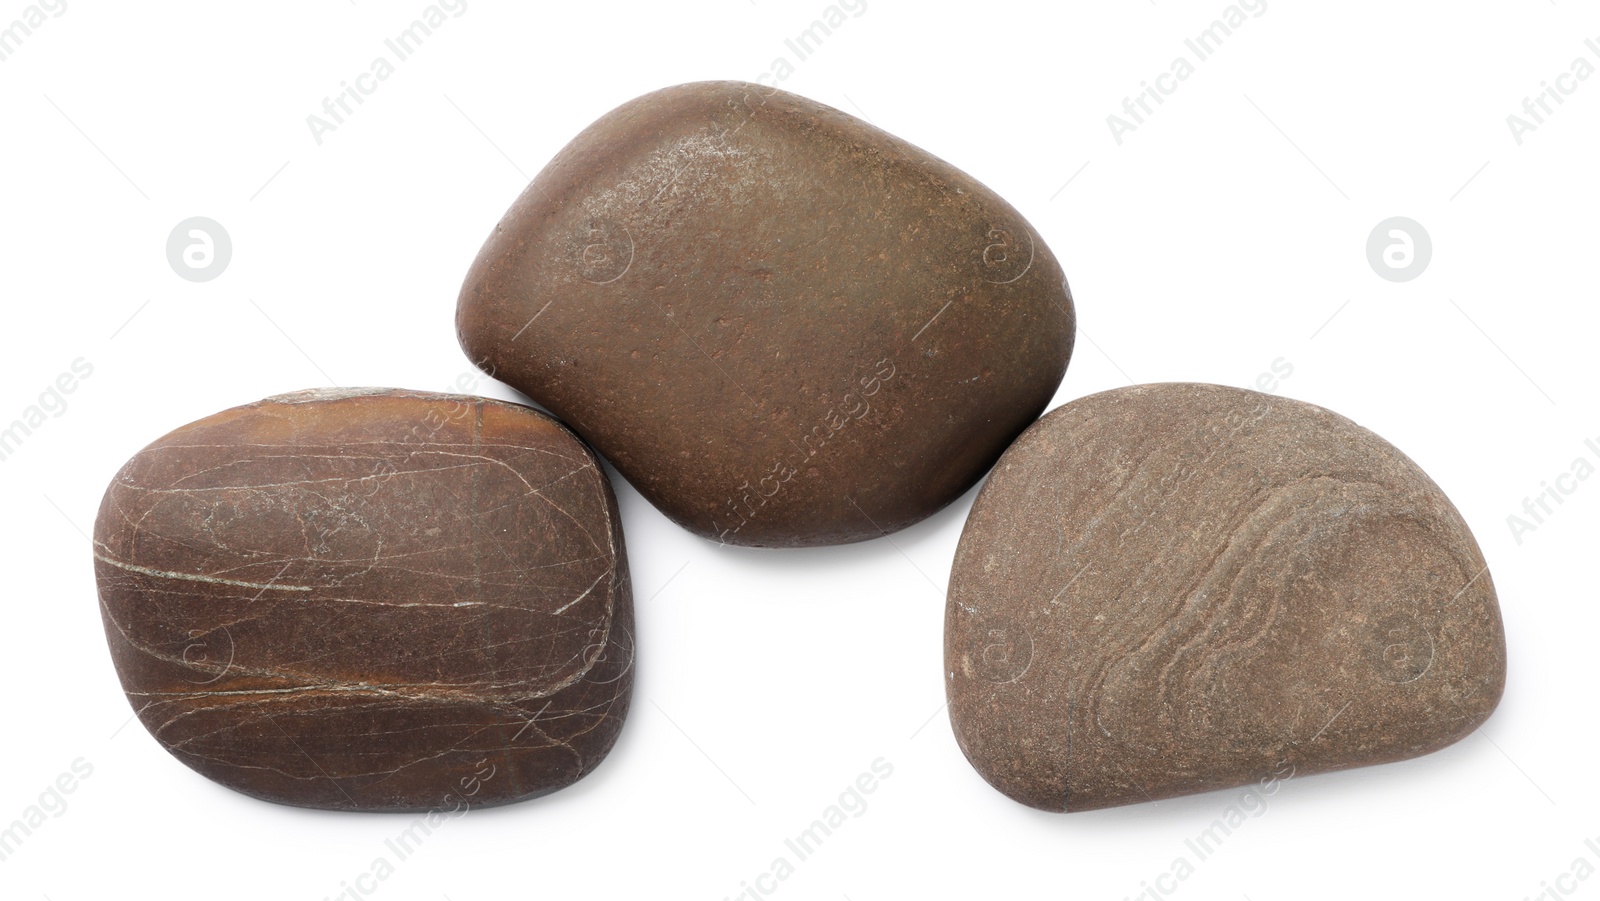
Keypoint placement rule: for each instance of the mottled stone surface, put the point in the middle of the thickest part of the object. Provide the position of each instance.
(784, 326)
(1172, 588)
(371, 600)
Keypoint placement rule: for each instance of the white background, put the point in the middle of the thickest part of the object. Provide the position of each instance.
(1226, 232)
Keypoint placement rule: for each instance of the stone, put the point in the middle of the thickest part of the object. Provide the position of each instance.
(783, 325)
(371, 600)
(1174, 588)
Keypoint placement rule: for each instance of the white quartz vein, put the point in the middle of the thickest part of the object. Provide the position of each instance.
(196, 577)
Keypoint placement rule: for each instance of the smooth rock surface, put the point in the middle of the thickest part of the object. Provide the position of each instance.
(1172, 588)
(783, 325)
(371, 600)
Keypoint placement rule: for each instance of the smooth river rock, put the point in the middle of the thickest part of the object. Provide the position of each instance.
(783, 325)
(1173, 588)
(371, 600)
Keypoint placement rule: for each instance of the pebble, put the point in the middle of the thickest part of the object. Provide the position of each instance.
(1167, 589)
(371, 600)
(783, 325)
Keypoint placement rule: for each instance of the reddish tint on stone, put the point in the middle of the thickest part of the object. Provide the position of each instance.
(1167, 589)
(783, 325)
(371, 600)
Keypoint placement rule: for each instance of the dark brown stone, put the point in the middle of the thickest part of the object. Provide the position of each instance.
(371, 600)
(1173, 588)
(784, 326)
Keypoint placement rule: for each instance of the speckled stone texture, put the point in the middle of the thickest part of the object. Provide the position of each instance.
(371, 600)
(783, 325)
(1167, 589)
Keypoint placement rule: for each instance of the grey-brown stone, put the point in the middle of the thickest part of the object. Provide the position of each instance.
(1172, 588)
(783, 325)
(371, 600)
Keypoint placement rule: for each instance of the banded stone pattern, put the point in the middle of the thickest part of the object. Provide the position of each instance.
(1172, 588)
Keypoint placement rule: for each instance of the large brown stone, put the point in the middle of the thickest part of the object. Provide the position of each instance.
(1172, 588)
(783, 325)
(371, 600)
